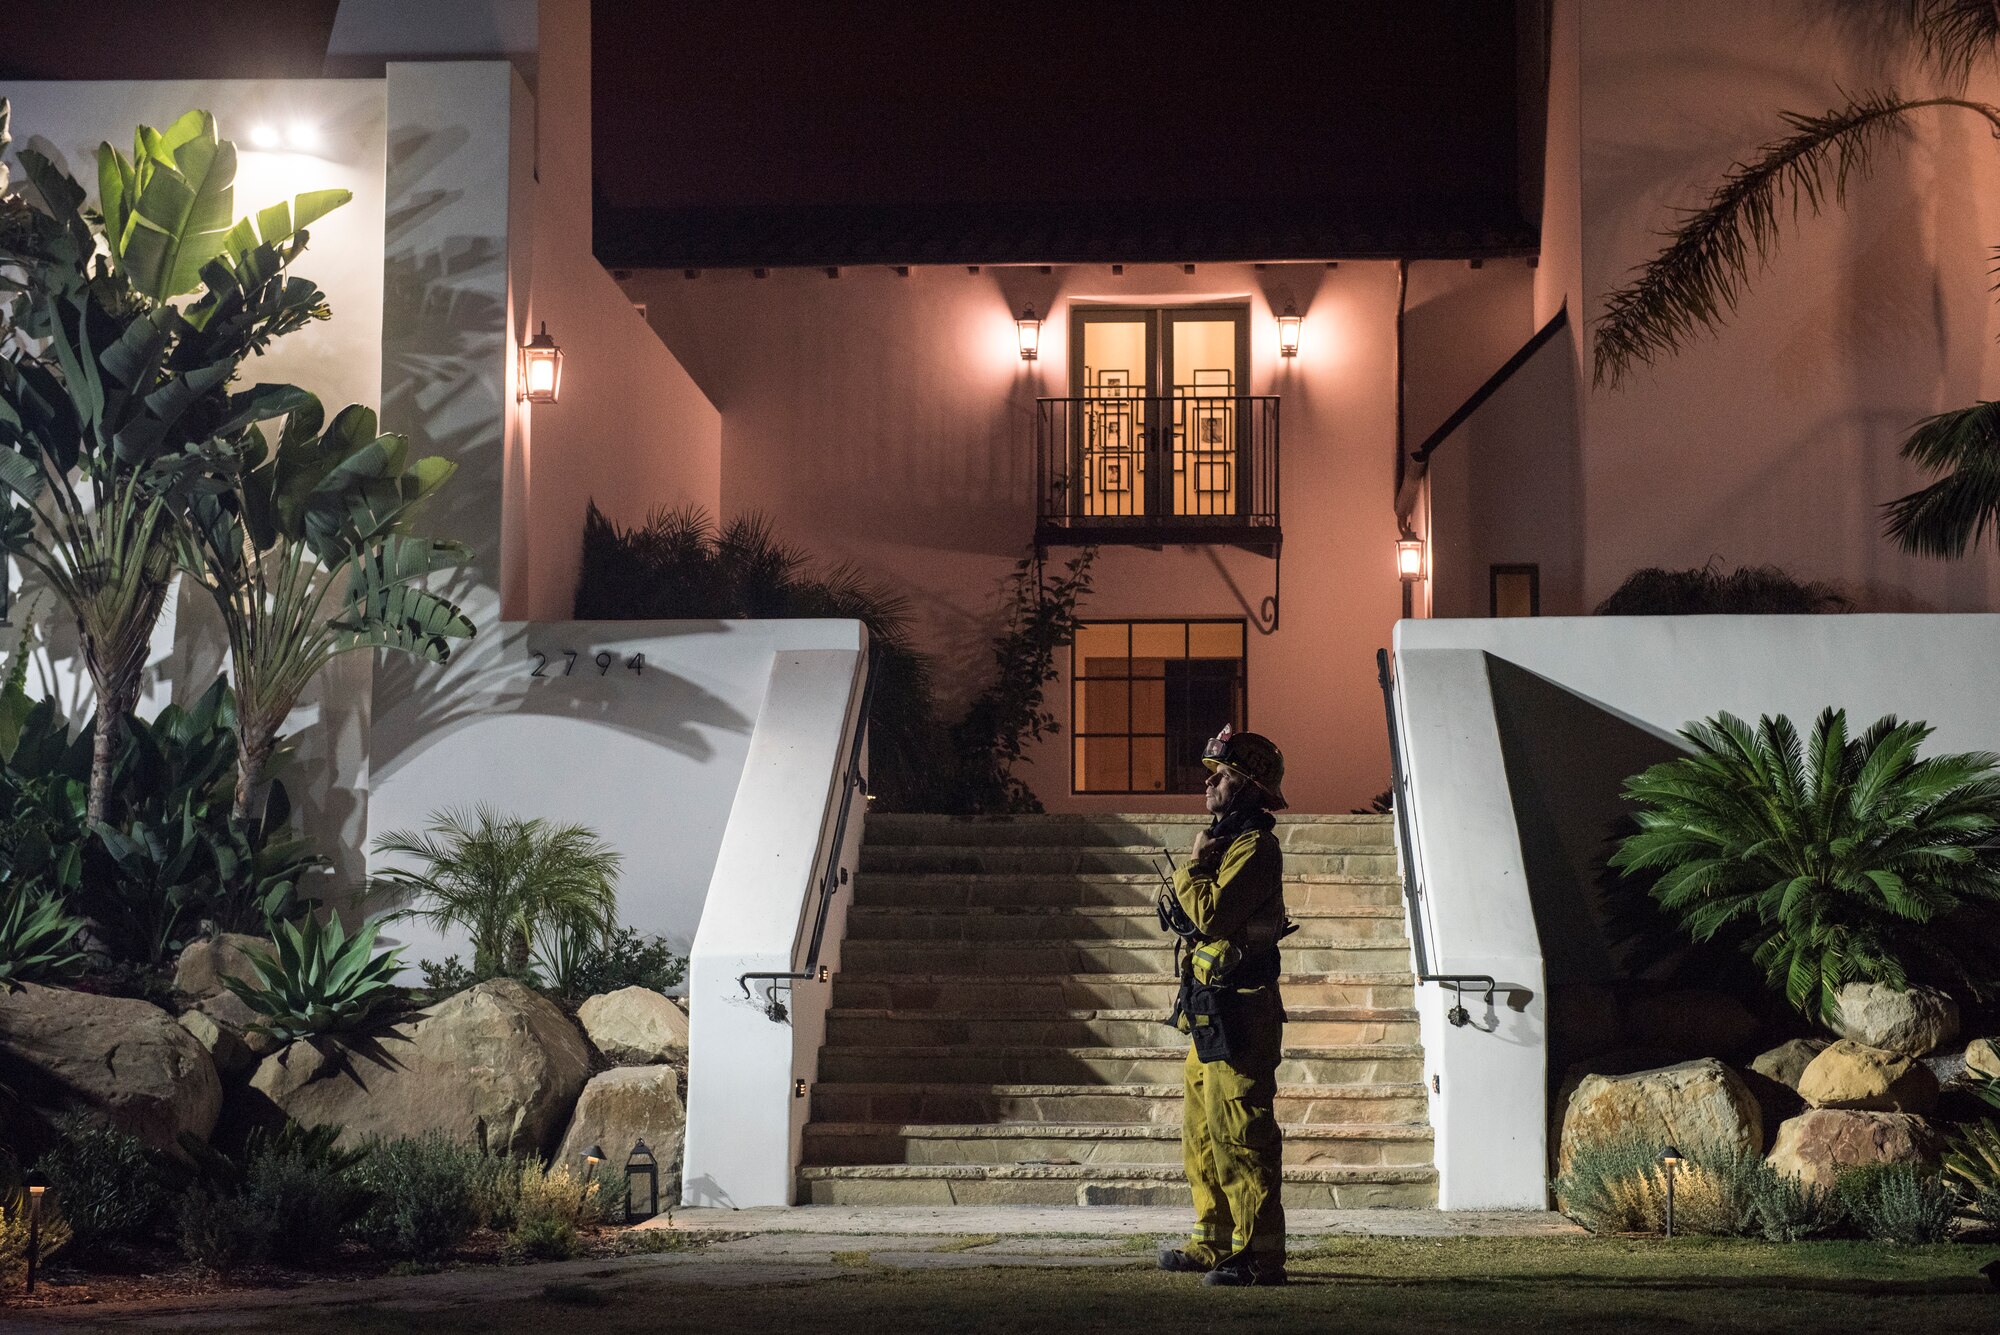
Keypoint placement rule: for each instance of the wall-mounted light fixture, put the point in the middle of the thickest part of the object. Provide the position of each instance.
(1289, 325)
(1410, 559)
(300, 136)
(541, 368)
(1029, 329)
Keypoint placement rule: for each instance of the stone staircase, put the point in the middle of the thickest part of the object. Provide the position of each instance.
(996, 1034)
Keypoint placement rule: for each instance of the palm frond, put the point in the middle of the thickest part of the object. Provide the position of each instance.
(1954, 34)
(1960, 508)
(1694, 284)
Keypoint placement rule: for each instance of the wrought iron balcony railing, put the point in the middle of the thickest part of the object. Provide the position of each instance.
(1196, 466)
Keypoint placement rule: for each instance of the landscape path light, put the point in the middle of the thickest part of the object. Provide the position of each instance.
(541, 368)
(37, 1185)
(591, 1158)
(641, 1166)
(1289, 325)
(1670, 1159)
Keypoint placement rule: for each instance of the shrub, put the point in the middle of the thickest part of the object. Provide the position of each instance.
(447, 979)
(1834, 862)
(428, 1194)
(1621, 1187)
(308, 1189)
(319, 980)
(1759, 590)
(54, 1236)
(1788, 1209)
(1972, 1160)
(544, 1240)
(38, 941)
(534, 1195)
(105, 1184)
(510, 883)
(217, 1230)
(1897, 1202)
(623, 959)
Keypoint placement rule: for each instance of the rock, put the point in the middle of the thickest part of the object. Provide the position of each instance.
(121, 1061)
(202, 966)
(1707, 1024)
(497, 1066)
(1910, 1022)
(1693, 1103)
(1982, 1057)
(1849, 1075)
(1788, 1061)
(635, 1026)
(620, 1107)
(225, 1047)
(1818, 1143)
(229, 1011)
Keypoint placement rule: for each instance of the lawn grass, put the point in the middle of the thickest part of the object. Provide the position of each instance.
(1350, 1286)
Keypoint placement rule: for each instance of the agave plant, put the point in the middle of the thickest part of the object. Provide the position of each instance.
(515, 886)
(116, 405)
(38, 941)
(325, 508)
(1843, 860)
(1972, 1159)
(319, 980)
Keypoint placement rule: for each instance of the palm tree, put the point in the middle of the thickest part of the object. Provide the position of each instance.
(1693, 285)
(1840, 861)
(116, 405)
(273, 548)
(510, 884)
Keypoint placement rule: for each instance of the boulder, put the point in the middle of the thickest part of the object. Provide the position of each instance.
(1693, 1103)
(118, 1060)
(1818, 1143)
(224, 1045)
(1788, 1061)
(1699, 1023)
(1911, 1022)
(621, 1107)
(202, 966)
(1982, 1057)
(497, 1066)
(635, 1026)
(1849, 1075)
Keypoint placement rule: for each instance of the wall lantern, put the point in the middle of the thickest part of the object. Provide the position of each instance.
(1670, 1159)
(641, 1167)
(1029, 329)
(1289, 325)
(1410, 559)
(541, 368)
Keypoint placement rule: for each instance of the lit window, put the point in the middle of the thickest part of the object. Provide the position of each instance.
(1146, 695)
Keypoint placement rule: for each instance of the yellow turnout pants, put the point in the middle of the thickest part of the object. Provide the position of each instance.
(1234, 1155)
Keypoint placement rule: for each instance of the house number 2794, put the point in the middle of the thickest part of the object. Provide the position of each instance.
(605, 660)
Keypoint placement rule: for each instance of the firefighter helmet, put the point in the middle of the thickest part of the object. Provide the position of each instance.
(1252, 755)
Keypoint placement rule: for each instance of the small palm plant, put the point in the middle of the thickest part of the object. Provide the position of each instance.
(319, 981)
(38, 941)
(516, 887)
(1843, 860)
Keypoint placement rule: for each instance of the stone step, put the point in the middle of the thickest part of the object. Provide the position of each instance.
(1358, 1064)
(1034, 922)
(1098, 1184)
(1331, 1105)
(1354, 1145)
(1029, 994)
(1308, 1026)
(1303, 890)
(1008, 859)
(1152, 955)
(1173, 830)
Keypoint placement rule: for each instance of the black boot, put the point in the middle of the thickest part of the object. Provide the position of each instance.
(1173, 1258)
(1242, 1272)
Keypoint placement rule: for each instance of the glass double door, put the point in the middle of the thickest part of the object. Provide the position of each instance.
(1157, 432)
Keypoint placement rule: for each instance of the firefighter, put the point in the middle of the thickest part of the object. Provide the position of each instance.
(1227, 905)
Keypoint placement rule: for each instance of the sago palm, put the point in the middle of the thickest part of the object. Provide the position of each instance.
(1840, 860)
(509, 884)
(1692, 287)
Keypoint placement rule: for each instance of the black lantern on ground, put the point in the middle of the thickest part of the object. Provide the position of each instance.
(1670, 1159)
(641, 1169)
(36, 1186)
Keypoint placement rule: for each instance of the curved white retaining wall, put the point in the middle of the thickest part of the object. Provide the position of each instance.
(1578, 704)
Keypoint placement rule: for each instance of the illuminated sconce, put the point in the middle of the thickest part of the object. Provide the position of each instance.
(541, 368)
(265, 137)
(1029, 329)
(1410, 559)
(1289, 325)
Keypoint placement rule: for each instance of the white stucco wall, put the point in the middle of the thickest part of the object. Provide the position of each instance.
(1519, 734)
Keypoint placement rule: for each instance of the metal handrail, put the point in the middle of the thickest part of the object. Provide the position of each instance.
(832, 875)
(1399, 800)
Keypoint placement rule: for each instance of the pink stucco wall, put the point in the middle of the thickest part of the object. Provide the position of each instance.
(889, 421)
(1776, 440)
